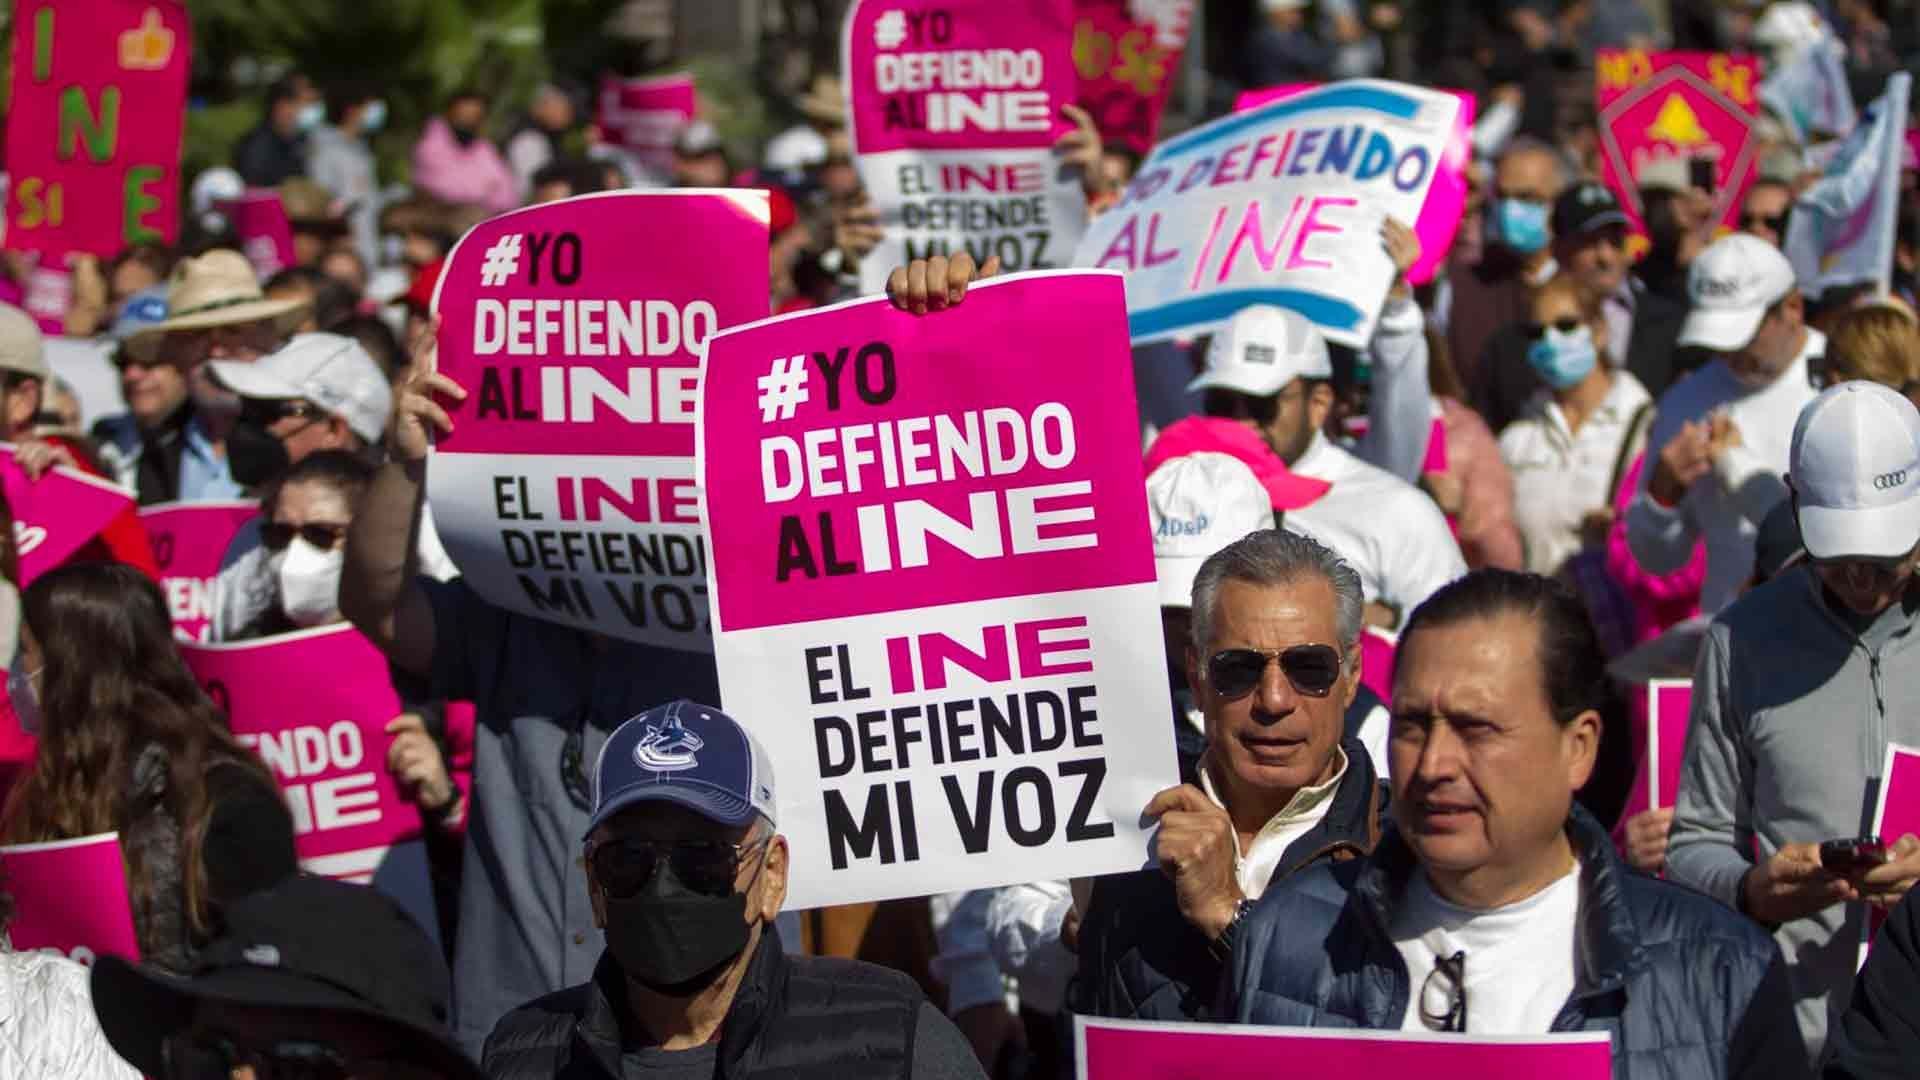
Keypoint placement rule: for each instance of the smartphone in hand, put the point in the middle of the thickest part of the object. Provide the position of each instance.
(1851, 858)
(1700, 174)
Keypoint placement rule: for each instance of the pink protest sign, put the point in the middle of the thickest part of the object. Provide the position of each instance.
(1377, 648)
(71, 896)
(48, 297)
(566, 490)
(644, 117)
(260, 223)
(954, 108)
(1143, 1050)
(1691, 105)
(190, 540)
(1436, 458)
(1439, 218)
(1660, 741)
(53, 517)
(934, 584)
(1127, 53)
(93, 128)
(1898, 810)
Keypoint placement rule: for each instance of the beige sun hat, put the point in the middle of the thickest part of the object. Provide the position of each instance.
(219, 289)
(824, 102)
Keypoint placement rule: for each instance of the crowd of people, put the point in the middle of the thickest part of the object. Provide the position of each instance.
(1576, 460)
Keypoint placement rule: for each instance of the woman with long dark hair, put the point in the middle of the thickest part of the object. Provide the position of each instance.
(130, 743)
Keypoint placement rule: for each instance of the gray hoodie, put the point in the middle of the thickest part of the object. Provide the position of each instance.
(1792, 713)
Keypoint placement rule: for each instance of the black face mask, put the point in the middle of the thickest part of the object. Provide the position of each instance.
(463, 136)
(673, 940)
(254, 456)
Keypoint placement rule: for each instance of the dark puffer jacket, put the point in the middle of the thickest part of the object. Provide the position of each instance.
(1686, 988)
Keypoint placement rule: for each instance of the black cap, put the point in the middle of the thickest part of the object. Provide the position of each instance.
(309, 944)
(1585, 207)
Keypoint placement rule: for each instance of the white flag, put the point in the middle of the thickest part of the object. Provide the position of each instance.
(1842, 228)
(1809, 93)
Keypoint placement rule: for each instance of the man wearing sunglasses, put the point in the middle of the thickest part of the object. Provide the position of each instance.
(1273, 659)
(1801, 686)
(1764, 211)
(313, 979)
(686, 873)
(1496, 905)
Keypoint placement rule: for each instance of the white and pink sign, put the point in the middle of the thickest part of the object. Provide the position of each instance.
(644, 117)
(955, 106)
(70, 896)
(190, 540)
(56, 515)
(1144, 1050)
(566, 490)
(1278, 205)
(934, 586)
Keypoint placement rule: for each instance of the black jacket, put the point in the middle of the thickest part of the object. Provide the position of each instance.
(1687, 989)
(1141, 959)
(809, 1017)
(1879, 1034)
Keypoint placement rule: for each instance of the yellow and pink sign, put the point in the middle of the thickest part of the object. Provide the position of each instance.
(1694, 106)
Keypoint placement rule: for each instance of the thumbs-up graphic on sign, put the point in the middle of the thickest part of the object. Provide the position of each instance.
(149, 46)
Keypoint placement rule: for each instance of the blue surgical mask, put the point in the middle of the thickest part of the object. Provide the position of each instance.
(374, 116)
(1563, 357)
(310, 116)
(1520, 225)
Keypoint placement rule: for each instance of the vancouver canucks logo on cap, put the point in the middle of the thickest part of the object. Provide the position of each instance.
(668, 747)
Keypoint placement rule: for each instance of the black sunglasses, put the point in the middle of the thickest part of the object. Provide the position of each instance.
(1452, 1016)
(1566, 324)
(269, 411)
(275, 536)
(624, 865)
(1777, 223)
(1312, 669)
(208, 1056)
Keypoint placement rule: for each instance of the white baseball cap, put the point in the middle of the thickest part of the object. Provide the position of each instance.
(1731, 285)
(1855, 469)
(333, 371)
(1199, 504)
(1262, 350)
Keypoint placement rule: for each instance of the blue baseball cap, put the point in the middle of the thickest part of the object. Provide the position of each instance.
(143, 310)
(687, 753)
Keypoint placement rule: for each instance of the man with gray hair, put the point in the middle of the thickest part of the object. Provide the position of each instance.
(1273, 659)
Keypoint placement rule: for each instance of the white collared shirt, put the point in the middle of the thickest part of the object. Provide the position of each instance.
(1561, 475)
(47, 1025)
(1254, 867)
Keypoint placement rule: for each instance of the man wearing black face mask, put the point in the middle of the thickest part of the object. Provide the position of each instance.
(686, 874)
(455, 163)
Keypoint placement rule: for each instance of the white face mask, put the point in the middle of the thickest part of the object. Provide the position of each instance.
(310, 583)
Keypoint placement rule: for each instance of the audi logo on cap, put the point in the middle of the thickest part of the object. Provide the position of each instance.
(1888, 481)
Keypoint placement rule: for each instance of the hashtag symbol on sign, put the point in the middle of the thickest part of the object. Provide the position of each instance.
(503, 258)
(890, 30)
(783, 388)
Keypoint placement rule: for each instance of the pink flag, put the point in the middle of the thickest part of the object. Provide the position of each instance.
(55, 516)
(70, 895)
(1141, 1050)
(189, 542)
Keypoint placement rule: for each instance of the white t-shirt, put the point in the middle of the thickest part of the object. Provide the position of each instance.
(1559, 475)
(1519, 962)
(1389, 531)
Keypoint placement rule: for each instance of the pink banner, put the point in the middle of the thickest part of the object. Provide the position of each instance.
(1127, 53)
(1694, 106)
(190, 540)
(94, 125)
(266, 236)
(1446, 200)
(56, 515)
(315, 705)
(1139, 1050)
(1377, 647)
(71, 896)
(644, 117)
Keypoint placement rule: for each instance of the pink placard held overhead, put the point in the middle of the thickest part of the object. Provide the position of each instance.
(566, 489)
(56, 515)
(70, 896)
(1439, 218)
(644, 117)
(1691, 106)
(1141, 1050)
(934, 586)
(260, 223)
(190, 540)
(1128, 53)
(93, 127)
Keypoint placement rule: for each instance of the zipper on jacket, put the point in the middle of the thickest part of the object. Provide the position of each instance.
(1877, 723)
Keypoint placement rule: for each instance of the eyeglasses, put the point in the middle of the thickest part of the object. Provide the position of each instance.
(1566, 324)
(276, 536)
(208, 1056)
(269, 411)
(1312, 669)
(1777, 223)
(624, 865)
(1446, 983)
